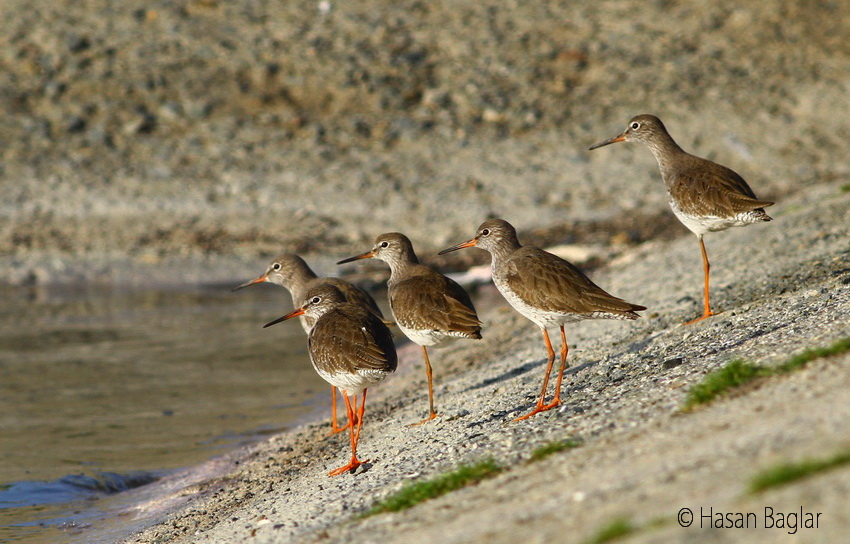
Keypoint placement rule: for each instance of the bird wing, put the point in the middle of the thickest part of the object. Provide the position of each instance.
(548, 282)
(708, 188)
(434, 302)
(350, 337)
(356, 295)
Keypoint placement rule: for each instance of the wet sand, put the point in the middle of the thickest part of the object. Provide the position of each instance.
(105, 390)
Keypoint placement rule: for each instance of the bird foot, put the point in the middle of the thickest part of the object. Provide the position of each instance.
(353, 465)
(335, 428)
(703, 316)
(540, 408)
(433, 415)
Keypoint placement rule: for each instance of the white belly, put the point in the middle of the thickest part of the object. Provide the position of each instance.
(700, 224)
(427, 337)
(541, 318)
(352, 383)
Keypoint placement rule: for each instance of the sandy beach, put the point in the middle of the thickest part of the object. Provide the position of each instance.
(641, 458)
(185, 143)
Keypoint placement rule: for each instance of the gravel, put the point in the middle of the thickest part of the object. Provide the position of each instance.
(188, 141)
(780, 288)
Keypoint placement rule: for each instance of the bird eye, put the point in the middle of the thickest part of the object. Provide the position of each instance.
(485, 232)
(276, 266)
(635, 125)
(316, 300)
(385, 244)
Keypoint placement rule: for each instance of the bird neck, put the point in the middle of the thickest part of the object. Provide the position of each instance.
(504, 249)
(665, 149)
(317, 312)
(403, 264)
(297, 281)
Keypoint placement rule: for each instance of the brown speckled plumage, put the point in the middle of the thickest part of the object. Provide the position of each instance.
(425, 300)
(548, 282)
(292, 273)
(545, 289)
(538, 283)
(351, 348)
(704, 195)
(427, 306)
(347, 340)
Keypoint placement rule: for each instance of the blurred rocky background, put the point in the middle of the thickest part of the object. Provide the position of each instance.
(188, 140)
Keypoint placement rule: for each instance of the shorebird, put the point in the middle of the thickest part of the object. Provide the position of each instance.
(428, 307)
(704, 195)
(350, 348)
(546, 289)
(292, 273)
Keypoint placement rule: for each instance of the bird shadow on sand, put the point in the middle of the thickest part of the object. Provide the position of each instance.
(632, 347)
(512, 373)
(507, 411)
(757, 331)
(527, 367)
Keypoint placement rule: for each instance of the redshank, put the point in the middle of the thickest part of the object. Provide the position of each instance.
(428, 307)
(704, 195)
(351, 349)
(292, 272)
(545, 289)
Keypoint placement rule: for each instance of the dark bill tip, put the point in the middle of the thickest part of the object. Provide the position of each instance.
(367, 255)
(290, 315)
(615, 139)
(261, 279)
(468, 243)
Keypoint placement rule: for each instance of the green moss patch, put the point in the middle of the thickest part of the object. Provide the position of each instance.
(719, 382)
(560, 445)
(790, 472)
(414, 493)
(799, 361)
(614, 530)
(738, 373)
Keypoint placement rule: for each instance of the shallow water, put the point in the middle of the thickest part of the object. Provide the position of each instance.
(104, 390)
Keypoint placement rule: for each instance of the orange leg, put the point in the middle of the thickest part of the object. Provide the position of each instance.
(540, 407)
(355, 420)
(433, 413)
(354, 411)
(335, 428)
(564, 351)
(360, 421)
(706, 268)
